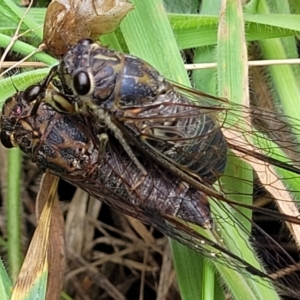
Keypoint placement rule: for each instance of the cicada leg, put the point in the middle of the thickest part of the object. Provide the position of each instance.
(103, 139)
(102, 115)
(50, 76)
(132, 156)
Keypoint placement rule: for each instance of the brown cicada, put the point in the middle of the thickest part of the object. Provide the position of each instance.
(181, 129)
(140, 107)
(86, 152)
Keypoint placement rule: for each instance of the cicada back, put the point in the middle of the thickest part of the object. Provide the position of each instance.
(140, 107)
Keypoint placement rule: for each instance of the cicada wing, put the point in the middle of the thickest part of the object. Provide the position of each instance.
(212, 244)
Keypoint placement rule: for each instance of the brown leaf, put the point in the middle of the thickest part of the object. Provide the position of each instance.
(167, 274)
(56, 251)
(35, 265)
(76, 221)
(68, 21)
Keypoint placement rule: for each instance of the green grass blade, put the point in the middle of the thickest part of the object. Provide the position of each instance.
(9, 9)
(199, 30)
(13, 205)
(26, 49)
(5, 283)
(20, 82)
(284, 79)
(206, 80)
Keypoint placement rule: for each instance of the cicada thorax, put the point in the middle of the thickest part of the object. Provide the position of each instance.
(123, 89)
(68, 146)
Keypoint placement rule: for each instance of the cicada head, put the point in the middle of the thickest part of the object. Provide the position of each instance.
(19, 125)
(74, 68)
(91, 72)
(13, 109)
(13, 112)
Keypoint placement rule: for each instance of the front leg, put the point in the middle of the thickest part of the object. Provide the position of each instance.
(102, 115)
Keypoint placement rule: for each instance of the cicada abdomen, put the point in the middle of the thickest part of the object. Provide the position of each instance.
(136, 103)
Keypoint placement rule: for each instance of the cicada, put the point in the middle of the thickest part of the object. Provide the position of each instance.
(177, 126)
(185, 131)
(86, 153)
(71, 148)
(141, 108)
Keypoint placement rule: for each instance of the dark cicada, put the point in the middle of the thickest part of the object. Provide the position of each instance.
(178, 127)
(70, 148)
(181, 129)
(141, 108)
(89, 156)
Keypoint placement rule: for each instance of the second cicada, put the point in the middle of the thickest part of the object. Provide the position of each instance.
(77, 149)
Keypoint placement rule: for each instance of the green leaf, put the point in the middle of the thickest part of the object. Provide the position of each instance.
(5, 283)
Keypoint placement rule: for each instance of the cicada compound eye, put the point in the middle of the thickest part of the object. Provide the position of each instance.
(12, 108)
(32, 92)
(6, 140)
(81, 82)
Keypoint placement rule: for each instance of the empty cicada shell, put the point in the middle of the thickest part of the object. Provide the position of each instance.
(68, 21)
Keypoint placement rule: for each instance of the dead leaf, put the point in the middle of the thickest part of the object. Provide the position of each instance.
(68, 21)
(56, 251)
(35, 266)
(76, 222)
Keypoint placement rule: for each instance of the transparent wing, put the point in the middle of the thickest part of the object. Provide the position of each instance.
(211, 242)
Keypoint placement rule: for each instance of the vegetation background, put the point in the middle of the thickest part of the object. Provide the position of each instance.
(112, 256)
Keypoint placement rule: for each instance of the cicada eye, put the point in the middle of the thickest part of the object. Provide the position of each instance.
(81, 82)
(17, 111)
(32, 92)
(6, 140)
(86, 42)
